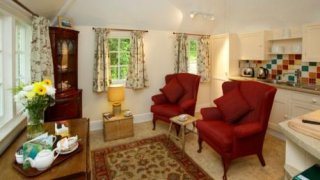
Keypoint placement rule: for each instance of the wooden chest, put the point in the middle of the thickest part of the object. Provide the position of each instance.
(117, 127)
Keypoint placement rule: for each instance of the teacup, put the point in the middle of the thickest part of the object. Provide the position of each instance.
(19, 158)
(19, 155)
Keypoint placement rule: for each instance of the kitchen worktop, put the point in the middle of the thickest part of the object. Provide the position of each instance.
(302, 151)
(301, 88)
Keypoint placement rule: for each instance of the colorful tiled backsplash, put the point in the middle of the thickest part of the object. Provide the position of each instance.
(285, 65)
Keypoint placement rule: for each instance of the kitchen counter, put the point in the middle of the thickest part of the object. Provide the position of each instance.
(302, 151)
(302, 88)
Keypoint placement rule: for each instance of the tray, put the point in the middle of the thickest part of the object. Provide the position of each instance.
(31, 172)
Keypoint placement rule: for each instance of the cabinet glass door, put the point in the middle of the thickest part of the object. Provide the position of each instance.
(66, 78)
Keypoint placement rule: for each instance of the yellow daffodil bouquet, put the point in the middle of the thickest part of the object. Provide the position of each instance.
(35, 98)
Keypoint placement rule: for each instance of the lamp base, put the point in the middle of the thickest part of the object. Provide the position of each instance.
(116, 108)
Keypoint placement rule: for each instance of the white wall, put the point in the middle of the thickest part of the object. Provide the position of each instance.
(159, 61)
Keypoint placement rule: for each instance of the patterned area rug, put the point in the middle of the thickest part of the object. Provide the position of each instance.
(152, 158)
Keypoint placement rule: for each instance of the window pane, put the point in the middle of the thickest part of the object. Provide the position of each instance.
(113, 44)
(123, 72)
(193, 68)
(1, 38)
(192, 56)
(1, 71)
(114, 58)
(1, 86)
(124, 58)
(125, 44)
(114, 72)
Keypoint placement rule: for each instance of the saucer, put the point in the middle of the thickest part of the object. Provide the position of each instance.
(69, 151)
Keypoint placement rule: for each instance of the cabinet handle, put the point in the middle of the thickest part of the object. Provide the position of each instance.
(314, 101)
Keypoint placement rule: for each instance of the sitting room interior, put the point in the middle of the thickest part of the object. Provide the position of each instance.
(170, 89)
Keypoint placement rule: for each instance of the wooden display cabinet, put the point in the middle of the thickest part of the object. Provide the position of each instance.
(64, 45)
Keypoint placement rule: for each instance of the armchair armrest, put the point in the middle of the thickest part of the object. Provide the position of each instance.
(185, 105)
(159, 99)
(211, 113)
(249, 129)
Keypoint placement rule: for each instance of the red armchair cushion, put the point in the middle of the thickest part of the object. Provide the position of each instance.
(168, 110)
(173, 90)
(217, 132)
(232, 105)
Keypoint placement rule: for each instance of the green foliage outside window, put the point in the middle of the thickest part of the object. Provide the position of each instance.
(192, 56)
(119, 52)
(193, 51)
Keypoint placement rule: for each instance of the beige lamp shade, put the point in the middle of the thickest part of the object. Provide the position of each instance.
(116, 93)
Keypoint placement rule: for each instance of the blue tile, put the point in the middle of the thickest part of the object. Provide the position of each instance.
(273, 61)
(268, 66)
(290, 78)
(305, 68)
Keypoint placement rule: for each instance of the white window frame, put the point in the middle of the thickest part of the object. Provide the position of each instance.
(12, 117)
(118, 35)
(22, 65)
(192, 64)
(1, 68)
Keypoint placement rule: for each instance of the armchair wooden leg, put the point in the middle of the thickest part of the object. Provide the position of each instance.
(200, 145)
(177, 129)
(154, 124)
(261, 159)
(226, 163)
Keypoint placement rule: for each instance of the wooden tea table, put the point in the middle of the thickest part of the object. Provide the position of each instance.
(76, 167)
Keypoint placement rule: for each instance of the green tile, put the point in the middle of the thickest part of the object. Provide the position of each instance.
(291, 78)
(305, 68)
(312, 63)
(279, 56)
(268, 66)
(274, 61)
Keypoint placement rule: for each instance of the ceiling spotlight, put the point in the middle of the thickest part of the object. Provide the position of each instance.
(208, 16)
(192, 15)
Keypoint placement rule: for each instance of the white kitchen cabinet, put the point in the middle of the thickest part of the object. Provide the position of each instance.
(302, 103)
(280, 109)
(224, 62)
(254, 46)
(311, 43)
(289, 104)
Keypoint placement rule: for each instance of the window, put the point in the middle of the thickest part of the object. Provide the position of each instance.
(14, 67)
(192, 56)
(119, 53)
(22, 57)
(22, 60)
(1, 70)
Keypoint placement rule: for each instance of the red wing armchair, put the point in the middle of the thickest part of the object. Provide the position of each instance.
(237, 126)
(178, 96)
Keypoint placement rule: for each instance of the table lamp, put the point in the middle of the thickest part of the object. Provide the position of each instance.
(116, 95)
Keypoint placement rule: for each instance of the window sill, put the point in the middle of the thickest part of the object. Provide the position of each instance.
(10, 131)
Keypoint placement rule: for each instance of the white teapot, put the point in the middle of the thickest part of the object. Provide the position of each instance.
(44, 159)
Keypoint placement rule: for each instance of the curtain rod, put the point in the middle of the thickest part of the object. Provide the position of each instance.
(25, 8)
(191, 34)
(115, 29)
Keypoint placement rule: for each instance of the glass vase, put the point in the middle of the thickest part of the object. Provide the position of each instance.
(35, 120)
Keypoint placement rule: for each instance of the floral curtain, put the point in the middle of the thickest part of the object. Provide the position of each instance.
(181, 56)
(101, 70)
(41, 55)
(203, 62)
(137, 75)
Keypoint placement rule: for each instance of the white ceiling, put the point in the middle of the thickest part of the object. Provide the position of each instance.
(173, 15)
(47, 8)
